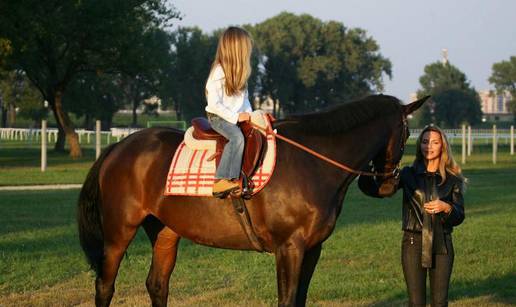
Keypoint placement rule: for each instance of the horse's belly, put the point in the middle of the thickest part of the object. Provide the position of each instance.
(206, 221)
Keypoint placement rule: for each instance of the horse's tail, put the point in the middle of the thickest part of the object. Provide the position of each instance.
(89, 219)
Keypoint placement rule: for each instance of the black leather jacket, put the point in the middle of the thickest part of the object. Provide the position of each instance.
(419, 187)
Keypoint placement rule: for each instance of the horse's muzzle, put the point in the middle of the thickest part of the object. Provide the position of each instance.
(388, 187)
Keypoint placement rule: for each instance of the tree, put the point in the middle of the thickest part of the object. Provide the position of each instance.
(94, 96)
(309, 64)
(454, 107)
(53, 41)
(454, 100)
(5, 51)
(99, 95)
(193, 53)
(503, 77)
(16, 91)
(143, 75)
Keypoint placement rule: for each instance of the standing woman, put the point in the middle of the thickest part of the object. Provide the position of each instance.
(432, 205)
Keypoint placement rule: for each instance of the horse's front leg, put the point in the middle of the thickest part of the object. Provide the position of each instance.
(310, 260)
(289, 258)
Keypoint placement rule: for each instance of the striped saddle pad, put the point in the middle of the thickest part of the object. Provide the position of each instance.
(191, 174)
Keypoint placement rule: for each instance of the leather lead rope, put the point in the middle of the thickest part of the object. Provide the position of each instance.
(324, 158)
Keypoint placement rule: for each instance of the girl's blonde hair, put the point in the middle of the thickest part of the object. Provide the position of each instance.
(446, 162)
(234, 55)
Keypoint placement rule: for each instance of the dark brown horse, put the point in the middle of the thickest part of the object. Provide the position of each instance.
(292, 216)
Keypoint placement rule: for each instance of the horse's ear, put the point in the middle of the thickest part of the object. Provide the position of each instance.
(411, 107)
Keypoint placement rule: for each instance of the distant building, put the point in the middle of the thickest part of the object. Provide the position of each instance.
(495, 107)
(493, 103)
(267, 104)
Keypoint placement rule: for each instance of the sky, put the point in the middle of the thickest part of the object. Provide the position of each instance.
(410, 33)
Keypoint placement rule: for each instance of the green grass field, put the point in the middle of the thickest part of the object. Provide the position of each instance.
(41, 263)
(20, 164)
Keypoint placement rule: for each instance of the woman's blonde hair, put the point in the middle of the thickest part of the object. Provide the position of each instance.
(234, 55)
(446, 162)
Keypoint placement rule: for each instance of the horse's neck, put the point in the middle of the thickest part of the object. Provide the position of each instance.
(357, 146)
(365, 141)
(354, 148)
(326, 183)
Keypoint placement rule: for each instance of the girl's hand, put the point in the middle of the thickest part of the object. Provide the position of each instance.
(436, 206)
(244, 117)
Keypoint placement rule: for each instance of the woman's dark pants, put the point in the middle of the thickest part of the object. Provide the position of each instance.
(415, 274)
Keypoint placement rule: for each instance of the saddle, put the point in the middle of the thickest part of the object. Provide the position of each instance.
(255, 143)
(254, 150)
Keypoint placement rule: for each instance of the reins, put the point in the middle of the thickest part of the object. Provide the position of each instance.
(393, 173)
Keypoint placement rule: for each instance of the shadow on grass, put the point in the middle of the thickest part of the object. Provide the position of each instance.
(58, 242)
(63, 240)
(36, 211)
(499, 290)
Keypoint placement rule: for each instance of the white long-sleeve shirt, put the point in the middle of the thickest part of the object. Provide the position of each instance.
(219, 103)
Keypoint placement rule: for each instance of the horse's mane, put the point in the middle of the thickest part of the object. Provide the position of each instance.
(342, 117)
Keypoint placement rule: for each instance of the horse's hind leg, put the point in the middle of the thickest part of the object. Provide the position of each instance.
(116, 242)
(164, 251)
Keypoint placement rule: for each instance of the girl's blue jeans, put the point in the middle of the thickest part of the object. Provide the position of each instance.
(231, 160)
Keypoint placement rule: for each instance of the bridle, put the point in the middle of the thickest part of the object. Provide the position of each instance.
(395, 172)
(396, 169)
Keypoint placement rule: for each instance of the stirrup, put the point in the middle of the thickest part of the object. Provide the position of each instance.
(226, 193)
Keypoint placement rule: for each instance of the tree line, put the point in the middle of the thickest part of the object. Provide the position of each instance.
(91, 59)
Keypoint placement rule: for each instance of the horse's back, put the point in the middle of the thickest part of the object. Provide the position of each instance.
(136, 169)
(149, 144)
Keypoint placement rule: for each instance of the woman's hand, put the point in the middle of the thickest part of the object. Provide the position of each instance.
(436, 206)
(244, 117)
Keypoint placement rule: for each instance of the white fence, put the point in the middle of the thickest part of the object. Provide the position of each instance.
(85, 136)
(21, 134)
(466, 136)
(469, 138)
(44, 136)
(479, 134)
